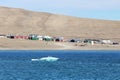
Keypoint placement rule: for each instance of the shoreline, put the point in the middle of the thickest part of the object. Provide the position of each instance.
(10, 44)
(81, 49)
(76, 49)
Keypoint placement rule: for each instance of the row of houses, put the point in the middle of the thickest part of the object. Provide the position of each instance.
(35, 37)
(58, 39)
(98, 41)
(94, 41)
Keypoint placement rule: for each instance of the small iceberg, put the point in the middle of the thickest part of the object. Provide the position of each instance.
(49, 59)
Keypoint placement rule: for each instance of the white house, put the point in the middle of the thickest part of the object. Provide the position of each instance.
(47, 38)
(106, 41)
(2, 36)
(40, 37)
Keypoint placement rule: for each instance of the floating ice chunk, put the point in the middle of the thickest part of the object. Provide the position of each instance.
(35, 59)
(49, 58)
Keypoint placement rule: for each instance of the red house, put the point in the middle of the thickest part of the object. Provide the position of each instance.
(21, 37)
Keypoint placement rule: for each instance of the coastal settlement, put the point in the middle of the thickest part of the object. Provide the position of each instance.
(77, 41)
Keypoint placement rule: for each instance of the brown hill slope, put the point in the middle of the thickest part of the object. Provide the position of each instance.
(19, 21)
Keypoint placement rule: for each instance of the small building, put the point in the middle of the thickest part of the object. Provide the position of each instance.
(87, 40)
(47, 38)
(59, 39)
(2, 35)
(106, 41)
(92, 41)
(75, 40)
(40, 37)
(11, 36)
(33, 37)
(21, 37)
(115, 43)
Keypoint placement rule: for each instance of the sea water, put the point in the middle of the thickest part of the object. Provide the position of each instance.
(72, 65)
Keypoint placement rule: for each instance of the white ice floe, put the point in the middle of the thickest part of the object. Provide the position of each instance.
(49, 58)
(35, 59)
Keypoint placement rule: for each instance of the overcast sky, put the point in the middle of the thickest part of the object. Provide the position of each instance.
(100, 9)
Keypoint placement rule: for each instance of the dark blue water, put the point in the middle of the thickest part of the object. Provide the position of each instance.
(72, 65)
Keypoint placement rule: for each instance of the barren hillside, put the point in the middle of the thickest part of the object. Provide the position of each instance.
(19, 21)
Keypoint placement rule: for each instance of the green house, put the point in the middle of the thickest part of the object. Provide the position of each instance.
(34, 38)
(47, 38)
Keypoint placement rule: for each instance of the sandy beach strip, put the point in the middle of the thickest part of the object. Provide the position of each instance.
(17, 44)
